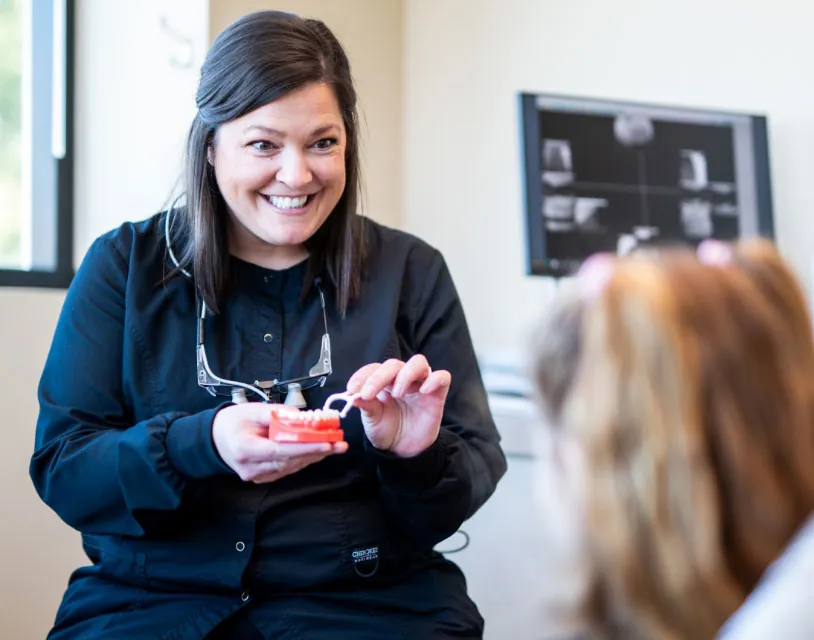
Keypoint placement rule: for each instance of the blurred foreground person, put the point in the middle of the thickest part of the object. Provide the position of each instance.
(681, 390)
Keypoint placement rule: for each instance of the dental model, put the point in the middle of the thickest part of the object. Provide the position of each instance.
(289, 424)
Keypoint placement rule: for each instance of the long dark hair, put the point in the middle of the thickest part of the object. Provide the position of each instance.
(257, 59)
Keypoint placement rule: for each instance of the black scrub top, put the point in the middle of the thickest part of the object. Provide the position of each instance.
(176, 541)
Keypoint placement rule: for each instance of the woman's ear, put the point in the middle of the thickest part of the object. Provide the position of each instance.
(210, 155)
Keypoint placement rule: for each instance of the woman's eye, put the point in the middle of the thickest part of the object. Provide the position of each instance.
(325, 143)
(261, 145)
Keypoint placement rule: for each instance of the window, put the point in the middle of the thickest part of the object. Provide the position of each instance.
(36, 145)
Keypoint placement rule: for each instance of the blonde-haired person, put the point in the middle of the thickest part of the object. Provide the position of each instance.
(682, 386)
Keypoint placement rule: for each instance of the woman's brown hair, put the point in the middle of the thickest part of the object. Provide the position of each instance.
(692, 398)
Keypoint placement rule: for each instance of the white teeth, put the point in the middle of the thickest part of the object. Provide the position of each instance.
(288, 203)
(316, 415)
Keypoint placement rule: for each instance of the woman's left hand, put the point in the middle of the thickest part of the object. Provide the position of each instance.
(401, 404)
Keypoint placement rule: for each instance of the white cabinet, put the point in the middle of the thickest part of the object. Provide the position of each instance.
(502, 561)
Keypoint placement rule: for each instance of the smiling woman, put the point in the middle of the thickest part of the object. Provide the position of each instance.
(36, 147)
(196, 523)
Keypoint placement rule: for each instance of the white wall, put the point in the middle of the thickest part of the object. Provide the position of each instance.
(133, 106)
(465, 61)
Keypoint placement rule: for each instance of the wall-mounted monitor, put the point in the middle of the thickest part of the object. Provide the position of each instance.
(605, 176)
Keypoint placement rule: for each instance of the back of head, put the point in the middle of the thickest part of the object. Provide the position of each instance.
(693, 401)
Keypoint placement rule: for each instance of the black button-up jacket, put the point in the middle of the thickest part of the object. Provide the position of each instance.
(177, 542)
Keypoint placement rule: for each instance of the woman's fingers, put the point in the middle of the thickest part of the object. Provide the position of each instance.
(410, 377)
(258, 413)
(240, 435)
(396, 377)
(360, 377)
(276, 469)
(272, 470)
(438, 380)
(371, 408)
(261, 449)
(380, 379)
(294, 450)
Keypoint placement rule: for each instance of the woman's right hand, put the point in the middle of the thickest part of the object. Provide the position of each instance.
(240, 434)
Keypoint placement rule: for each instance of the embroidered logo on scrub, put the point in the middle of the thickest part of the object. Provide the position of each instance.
(365, 561)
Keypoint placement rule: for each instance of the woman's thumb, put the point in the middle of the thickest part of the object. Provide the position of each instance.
(259, 412)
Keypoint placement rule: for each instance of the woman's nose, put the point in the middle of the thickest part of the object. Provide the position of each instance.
(294, 171)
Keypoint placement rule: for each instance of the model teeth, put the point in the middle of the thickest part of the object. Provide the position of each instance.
(317, 415)
(288, 203)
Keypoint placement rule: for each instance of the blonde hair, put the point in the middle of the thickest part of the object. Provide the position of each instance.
(692, 397)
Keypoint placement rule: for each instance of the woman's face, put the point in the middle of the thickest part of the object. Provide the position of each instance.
(281, 171)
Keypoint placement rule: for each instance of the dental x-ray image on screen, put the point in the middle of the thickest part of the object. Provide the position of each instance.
(614, 177)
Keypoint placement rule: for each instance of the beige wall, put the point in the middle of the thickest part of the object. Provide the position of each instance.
(467, 59)
(38, 551)
(371, 33)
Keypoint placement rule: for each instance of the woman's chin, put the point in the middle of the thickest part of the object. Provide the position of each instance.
(282, 236)
(264, 233)
(288, 237)
(290, 231)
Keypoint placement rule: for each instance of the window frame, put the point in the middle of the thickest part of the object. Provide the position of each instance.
(61, 276)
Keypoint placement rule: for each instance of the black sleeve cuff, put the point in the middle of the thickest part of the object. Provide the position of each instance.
(412, 475)
(190, 447)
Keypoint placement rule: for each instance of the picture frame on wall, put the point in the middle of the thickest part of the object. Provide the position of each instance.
(610, 176)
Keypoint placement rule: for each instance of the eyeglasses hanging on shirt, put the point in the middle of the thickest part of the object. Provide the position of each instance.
(215, 385)
(292, 387)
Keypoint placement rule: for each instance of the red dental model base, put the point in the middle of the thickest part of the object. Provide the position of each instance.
(289, 424)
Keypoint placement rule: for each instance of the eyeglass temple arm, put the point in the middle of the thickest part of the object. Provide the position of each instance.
(206, 378)
(323, 366)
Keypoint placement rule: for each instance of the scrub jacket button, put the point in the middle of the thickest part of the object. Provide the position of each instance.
(268, 337)
(245, 596)
(240, 546)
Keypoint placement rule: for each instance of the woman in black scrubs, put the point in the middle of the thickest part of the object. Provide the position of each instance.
(181, 331)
